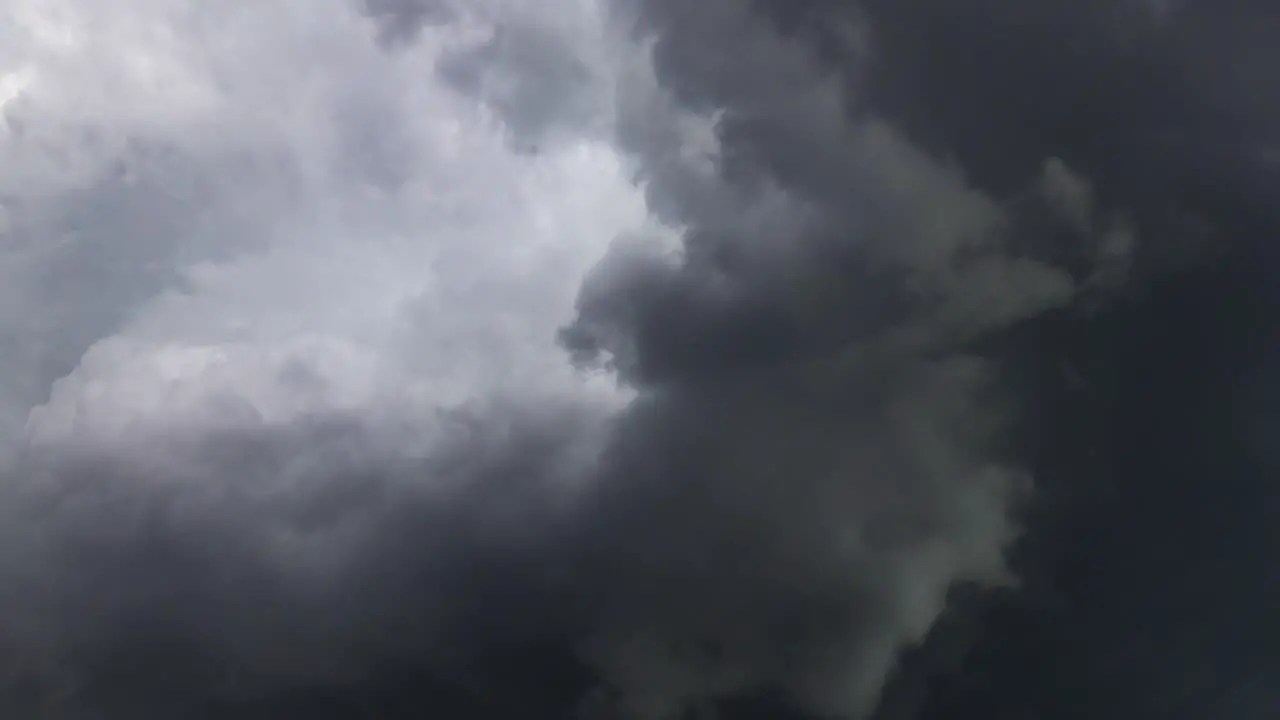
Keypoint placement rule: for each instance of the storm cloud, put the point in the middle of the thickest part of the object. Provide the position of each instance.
(639, 359)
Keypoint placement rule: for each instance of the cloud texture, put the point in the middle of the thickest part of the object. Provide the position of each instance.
(493, 359)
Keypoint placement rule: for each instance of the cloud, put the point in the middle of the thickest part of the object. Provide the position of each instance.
(405, 357)
(814, 340)
(400, 20)
(278, 299)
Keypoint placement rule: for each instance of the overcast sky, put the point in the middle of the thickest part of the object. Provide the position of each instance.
(637, 359)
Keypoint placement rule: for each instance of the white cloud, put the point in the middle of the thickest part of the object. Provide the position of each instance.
(259, 223)
(320, 185)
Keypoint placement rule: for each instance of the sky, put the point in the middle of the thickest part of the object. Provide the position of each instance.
(638, 359)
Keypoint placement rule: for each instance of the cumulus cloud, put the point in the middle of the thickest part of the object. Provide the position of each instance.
(426, 357)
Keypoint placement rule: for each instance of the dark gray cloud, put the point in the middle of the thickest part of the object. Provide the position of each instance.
(232, 568)
(1038, 137)
(1143, 571)
(818, 335)
(853, 410)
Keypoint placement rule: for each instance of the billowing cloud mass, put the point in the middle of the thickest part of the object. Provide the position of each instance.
(632, 359)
